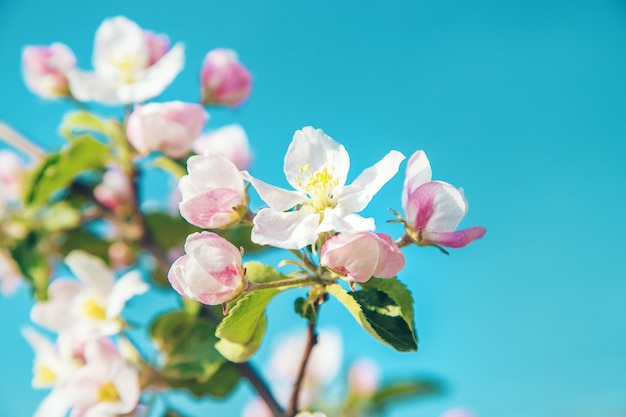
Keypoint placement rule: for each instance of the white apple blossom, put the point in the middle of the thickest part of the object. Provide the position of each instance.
(123, 69)
(317, 167)
(106, 386)
(91, 306)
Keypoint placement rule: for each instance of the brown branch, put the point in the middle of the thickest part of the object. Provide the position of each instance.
(311, 341)
(246, 370)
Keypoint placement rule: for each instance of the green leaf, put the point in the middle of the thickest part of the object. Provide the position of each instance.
(61, 216)
(222, 383)
(259, 273)
(168, 231)
(395, 391)
(305, 309)
(237, 352)
(189, 343)
(60, 169)
(76, 124)
(239, 325)
(379, 315)
(399, 293)
(33, 264)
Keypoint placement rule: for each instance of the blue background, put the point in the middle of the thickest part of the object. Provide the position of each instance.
(521, 103)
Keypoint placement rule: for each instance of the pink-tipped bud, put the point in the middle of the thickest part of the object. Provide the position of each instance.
(211, 271)
(45, 67)
(157, 46)
(224, 79)
(169, 127)
(360, 256)
(213, 194)
(115, 190)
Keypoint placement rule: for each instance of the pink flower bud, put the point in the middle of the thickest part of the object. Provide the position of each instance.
(211, 271)
(44, 69)
(363, 377)
(157, 46)
(170, 127)
(360, 256)
(115, 191)
(434, 209)
(213, 194)
(230, 141)
(224, 79)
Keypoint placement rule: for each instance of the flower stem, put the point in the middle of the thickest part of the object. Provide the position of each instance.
(290, 282)
(311, 341)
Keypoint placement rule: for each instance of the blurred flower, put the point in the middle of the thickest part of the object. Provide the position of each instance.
(256, 408)
(213, 193)
(54, 362)
(106, 386)
(457, 412)
(363, 377)
(434, 209)
(230, 141)
(323, 366)
(170, 127)
(12, 170)
(91, 306)
(44, 69)
(224, 79)
(317, 167)
(157, 46)
(124, 71)
(211, 271)
(115, 191)
(362, 255)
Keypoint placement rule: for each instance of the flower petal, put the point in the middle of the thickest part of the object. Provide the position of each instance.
(208, 172)
(88, 86)
(92, 271)
(156, 78)
(116, 40)
(55, 404)
(124, 289)
(213, 209)
(357, 195)
(457, 239)
(275, 197)
(290, 230)
(418, 172)
(335, 220)
(310, 151)
(395, 258)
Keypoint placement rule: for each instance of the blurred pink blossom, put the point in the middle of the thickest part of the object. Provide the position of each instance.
(170, 127)
(363, 377)
(45, 67)
(230, 141)
(115, 190)
(129, 64)
(224, 79)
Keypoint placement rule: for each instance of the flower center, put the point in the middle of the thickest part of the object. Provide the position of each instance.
(127, 67)
(108, 393)
(44, 375)
(319, 186)
(93, 309)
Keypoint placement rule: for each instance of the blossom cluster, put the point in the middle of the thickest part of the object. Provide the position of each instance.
(81, 210)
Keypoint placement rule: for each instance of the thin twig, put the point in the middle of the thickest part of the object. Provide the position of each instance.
(311, 341)
(12, 137)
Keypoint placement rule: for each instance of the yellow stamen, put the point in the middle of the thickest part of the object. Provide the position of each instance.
(44, 375)
(93, 309)
(108, 393)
